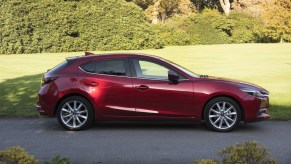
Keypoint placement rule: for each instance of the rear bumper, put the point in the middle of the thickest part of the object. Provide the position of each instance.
(43, 111)
(45, 102)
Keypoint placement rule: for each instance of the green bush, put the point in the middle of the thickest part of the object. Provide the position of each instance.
(171, 35)
(244, 28)
(248, 152)
(16, 155)
(58, 160)
(34, 26)
(209, 27)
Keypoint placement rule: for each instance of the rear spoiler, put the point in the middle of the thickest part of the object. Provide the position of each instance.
(88, 53)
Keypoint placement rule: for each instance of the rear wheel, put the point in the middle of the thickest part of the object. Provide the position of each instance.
(222, 114)
(75, 113)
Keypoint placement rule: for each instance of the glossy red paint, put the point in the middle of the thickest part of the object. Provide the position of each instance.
(132, 98)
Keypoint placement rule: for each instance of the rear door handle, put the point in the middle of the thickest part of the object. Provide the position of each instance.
(142, 87)
(90, 83)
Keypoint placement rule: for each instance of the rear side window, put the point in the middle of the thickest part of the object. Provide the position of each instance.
(89, 67)
(60, 66)
(115, 67)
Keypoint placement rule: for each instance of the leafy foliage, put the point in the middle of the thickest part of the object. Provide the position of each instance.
(165, 9)
(277, 19)
(205, 161)
(209, 27)
(34, 26)
(248, 152)
(172, 35)
(244, 28)
(16, 155)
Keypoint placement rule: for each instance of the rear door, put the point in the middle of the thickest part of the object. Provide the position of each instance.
(109, 82)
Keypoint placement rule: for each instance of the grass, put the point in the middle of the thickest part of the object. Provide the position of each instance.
(267, 65)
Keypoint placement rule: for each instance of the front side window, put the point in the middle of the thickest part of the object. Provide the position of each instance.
(150, 70)
(109, 67)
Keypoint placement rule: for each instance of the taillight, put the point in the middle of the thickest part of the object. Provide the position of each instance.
(46, 80)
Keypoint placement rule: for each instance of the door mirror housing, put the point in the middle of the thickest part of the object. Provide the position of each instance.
(173, 77)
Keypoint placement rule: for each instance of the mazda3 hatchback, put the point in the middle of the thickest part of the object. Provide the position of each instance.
(108, 87)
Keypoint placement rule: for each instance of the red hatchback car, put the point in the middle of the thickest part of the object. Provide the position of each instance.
(142, 87)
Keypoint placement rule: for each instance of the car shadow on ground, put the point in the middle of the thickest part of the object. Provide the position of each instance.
(51, 124)
(164, 125)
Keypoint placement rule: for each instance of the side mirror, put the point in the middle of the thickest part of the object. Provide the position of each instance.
(173, 77)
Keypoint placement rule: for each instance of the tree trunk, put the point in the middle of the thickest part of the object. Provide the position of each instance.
(225, 4)
(164, 16)
(156, 12)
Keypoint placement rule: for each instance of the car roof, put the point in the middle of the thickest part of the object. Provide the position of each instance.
(114, 55)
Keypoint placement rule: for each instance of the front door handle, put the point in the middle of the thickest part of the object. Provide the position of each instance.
(142, 87)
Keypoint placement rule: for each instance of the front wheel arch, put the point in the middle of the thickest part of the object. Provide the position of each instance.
(242, 110)
(222, 114)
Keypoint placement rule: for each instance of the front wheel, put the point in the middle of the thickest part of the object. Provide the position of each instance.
(75, 113)
(222, 114)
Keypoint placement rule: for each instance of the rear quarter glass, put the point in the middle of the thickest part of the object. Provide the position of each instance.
(60, 66)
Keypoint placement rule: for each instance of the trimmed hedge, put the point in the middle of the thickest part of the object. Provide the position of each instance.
(34, 26)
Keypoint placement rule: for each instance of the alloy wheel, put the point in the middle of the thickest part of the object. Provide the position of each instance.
(74, 114)
(222, 115)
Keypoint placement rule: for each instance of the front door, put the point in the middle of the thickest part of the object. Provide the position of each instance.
(155, 95)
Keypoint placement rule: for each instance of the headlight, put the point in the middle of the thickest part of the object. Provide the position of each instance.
(255, 93)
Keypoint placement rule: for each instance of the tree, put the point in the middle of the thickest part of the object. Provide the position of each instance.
(277, 18)
(200, 5)
(163, 9)
(144, 4)
(225, 4)
(251, 7)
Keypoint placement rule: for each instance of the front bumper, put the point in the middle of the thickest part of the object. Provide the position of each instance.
(263, 112)
(256, 109)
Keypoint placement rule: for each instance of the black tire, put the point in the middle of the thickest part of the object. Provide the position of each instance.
(75, 113)
(222, 114)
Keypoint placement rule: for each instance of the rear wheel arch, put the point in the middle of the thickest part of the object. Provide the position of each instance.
(72, 95)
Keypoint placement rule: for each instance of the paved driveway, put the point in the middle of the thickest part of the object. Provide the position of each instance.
(138, 142)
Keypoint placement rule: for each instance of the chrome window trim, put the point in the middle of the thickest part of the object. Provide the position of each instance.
(129, 76)
(101, 73)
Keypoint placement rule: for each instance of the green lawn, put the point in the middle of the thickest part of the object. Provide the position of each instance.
(268, 65)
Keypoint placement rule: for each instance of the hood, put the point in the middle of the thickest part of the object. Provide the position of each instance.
(237, 83)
